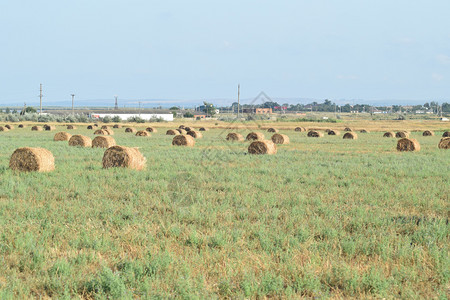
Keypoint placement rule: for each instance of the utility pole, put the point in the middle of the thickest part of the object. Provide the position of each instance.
(139, 108)
(73, 95)
(239, 94)
(40, 99)
(335, 110)
(116, 106)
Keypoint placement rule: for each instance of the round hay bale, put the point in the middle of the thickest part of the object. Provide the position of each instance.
(272, 130)
(334, 132)
(10, 127)
(21, 126)
(350, 136)
(327, 130)
(123, 157)
(402, 134)
(233, 136)
(95, 125)
(71, 127)
(172, 132)
(90, 127)
(36, 128)
(181, 127)
(300, 129)
(117, 126)
(4, 128)
(389, 134)
(428, 133)
(195, 134)
(101, 132)
(203, 129)
(142, 133)
(151, 129)
(130, 129)
(444, 143)
(62, 136)
(347, 129)
(364, 131)
(182, 131)
(32, 159)
(105, 127)
(109, 131)
(255, 136)
(446, 134)
(183, 140)
(406, 144)
(279, 138)
(103, 142)
(80, 140)
(49, 127)
(262, 147)
(315, 133)
(187, 129)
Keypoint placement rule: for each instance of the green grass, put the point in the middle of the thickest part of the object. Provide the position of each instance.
(322, 218)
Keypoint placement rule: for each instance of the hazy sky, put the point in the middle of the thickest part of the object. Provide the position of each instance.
(143, 49)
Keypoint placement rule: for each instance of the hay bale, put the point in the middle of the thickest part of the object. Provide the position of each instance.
(315, 133)
(428, 133)
(350, 136)
(36, 128)
(183, 140)
(255, 136)
(142, 133)
(80, 140)
(151, 129)
(406, 144)
(117, 126)
(105, 127)
(402, 134)
(389, 134)
(21, 126)
(233, 136)
(49, 127)
(347, 129)
(262, 147)
(109, 131)
(364, 131)
(300, 129)
(123, 157)
(279, 138)
(181, 127)
(32, 159)
(272, 130)
(182, 131)
(90, 127)
(172, 132)
(62, 136)
(334, 132)
(195, 134)
(203, 129)
(327, 130)
(446, 134)
(71, 127)
(103, 142)
(3, 128)
(101, 132)
(10, 127)
(444, 143)
(130, 129)
(187, 129)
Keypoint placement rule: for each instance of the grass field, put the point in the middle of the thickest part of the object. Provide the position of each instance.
(322, 218)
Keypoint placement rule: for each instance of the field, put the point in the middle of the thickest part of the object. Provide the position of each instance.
(324, 217)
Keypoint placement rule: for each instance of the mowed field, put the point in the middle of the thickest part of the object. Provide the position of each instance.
(324, 217)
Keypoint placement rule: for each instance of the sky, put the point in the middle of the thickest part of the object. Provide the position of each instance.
(186, 51)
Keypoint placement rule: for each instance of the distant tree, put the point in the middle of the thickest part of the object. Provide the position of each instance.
(188, 115)
(30, 109)
(116, 119)
(106, 119)
(209, 109)
(174, 108)
(8, 110)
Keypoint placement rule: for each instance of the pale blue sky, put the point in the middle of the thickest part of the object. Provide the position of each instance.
(199, 49)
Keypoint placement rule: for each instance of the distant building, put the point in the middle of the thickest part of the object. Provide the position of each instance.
(199, 116)
(126, 116)
(257, 111)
